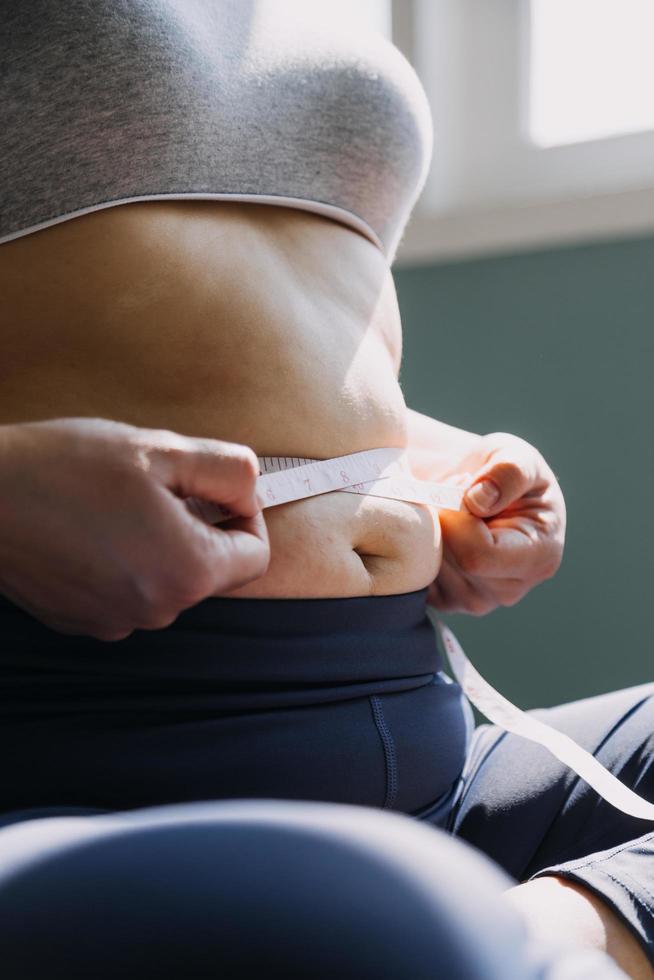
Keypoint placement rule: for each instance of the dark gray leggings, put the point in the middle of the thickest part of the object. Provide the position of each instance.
(534, 816)
(258, 889)
(293, 889)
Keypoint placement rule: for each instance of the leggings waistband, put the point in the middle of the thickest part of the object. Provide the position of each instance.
(235, 654)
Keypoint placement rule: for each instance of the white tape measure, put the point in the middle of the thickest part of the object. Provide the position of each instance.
(377, 472)
(386, 473)
(502, 712)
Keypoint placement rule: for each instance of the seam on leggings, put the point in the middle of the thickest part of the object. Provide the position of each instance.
(637, 884)
(471, 771)
(589, 859)
(592, 839)
(590, 845)
(390, 758)
(588, 880)
(591, 863)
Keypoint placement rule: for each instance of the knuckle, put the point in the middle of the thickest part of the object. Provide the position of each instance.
(237, 454)
(166, 440)
(231, 461)
(161, 599)
(145, 593)
(156, 610)
(508, 471)
(190, 582)
(247, 462)
(151, 446)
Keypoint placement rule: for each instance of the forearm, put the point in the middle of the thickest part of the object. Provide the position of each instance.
(434, 447)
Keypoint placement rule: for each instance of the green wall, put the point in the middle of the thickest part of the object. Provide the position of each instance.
(556, 346)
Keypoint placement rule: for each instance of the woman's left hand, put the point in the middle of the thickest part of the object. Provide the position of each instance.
(510, 534)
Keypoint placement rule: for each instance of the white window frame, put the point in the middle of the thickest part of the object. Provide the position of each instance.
(490, 188)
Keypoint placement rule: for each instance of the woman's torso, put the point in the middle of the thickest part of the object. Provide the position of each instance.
(268, 326)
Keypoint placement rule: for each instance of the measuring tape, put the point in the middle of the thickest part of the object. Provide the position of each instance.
(386, 473)
(502, 712)
(374, 472)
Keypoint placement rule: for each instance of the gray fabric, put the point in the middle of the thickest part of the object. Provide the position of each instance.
(104, 100)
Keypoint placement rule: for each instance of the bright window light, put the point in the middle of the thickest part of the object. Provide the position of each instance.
(591, 69)
(363, 15)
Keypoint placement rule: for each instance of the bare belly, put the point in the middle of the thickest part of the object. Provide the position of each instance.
(267, 326)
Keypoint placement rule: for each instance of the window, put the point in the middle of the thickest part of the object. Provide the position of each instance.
(358, 16)
(543, 116)
(591, 69)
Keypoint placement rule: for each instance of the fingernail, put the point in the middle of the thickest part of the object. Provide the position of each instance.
(483, 495)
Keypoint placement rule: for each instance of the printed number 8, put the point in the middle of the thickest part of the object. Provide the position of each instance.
(345, 477)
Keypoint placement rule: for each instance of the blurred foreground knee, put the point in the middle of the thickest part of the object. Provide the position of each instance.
(251, 889)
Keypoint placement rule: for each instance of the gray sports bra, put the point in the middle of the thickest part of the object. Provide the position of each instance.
(105, 102)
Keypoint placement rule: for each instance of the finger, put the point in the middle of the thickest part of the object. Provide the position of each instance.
(235, 553)
(502, 480)
(240, 557)
(221, 472)
(486, 550)
(200, 560)
(467, 542)
(453, 592)
(526, 550)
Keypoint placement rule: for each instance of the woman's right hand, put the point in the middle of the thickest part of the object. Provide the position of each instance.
(95, 536)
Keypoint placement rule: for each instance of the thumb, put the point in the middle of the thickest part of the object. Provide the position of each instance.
(230, 557)
(221, 472)
(239, 557)
(495, 487)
